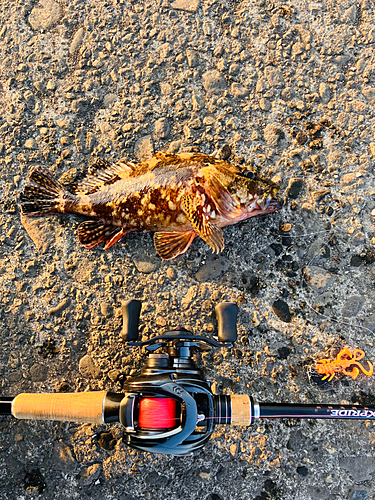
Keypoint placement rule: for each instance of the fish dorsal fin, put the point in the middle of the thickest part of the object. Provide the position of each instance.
(159, 160)
(170, 244)
(103, 173)
(197, 212)
(93, 232)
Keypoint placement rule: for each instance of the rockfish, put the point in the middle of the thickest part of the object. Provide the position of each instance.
(176, 196)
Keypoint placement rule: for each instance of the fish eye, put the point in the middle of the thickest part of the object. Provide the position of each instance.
(248, 173)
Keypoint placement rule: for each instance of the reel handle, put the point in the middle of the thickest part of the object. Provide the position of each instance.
(226, 313)
(131, 310)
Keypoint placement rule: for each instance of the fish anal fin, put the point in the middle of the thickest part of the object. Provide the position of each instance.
(91, 233)
(115, 238)
(196, 211)
(170, 244)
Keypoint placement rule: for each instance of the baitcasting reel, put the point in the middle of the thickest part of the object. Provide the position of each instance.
(169, 408)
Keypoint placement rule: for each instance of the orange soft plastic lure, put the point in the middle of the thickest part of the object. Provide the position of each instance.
(346, 363)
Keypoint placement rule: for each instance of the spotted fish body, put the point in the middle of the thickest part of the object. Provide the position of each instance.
(176, 196)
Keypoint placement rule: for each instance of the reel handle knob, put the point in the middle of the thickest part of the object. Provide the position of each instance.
(131, 310)
(226, 313)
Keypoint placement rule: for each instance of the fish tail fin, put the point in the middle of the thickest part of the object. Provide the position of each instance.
(43, 195)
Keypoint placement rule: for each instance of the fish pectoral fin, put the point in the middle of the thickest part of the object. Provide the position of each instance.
(204, 228)
(224, 202)
(91, 233)
(170, 244)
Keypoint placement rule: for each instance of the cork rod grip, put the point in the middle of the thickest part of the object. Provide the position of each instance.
(83, 407)
(241, 409)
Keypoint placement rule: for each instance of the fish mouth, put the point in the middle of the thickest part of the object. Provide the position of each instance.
(273, 205)
(264, 206)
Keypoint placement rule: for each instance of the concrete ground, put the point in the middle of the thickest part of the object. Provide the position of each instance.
(287, 87)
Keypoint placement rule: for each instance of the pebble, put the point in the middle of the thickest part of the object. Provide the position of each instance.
(272, 134)
(238, 90)
(359, 495)
(192, 58)
(187, 300)
(361, 469)
(109, 99)
(186, 5)
(162, 128)
(45, 15)
(274, 77)
(106, 309)
(302, 471)
(164, 50)
(285, 226)
(318, 253)
(370, 323)
(371, 35)
(143, 148)
(283, 352)
(15, 376)
(171, 273)
(214, 82)
(38, 372)
(40, 86)
(13, 361)
(79, 106)
(62, 457)
(77, 40)
(107, 441)
(113, 374)
(282, 311)
(350, 15)
(318, 278)
(352, 306)
(60, 306)
(145, 263)
(31, 144)
(89, 474)
(295, 187)
(160, 321)
(88, 368)
(156, 480)
(324, 92)
(264, 104)
(213, 269)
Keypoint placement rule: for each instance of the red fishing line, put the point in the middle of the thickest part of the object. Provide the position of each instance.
(157, 413)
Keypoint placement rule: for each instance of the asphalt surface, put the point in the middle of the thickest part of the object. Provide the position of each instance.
(288, 88)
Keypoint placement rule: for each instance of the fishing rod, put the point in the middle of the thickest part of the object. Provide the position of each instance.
(170, 407)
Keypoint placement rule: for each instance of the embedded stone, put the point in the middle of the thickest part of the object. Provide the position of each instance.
(282, 311)
(352, 306)
(214, 82)
(45, 15)
(88, 368)
(162, 128)
(143, 148)
(77, 40)
(186, 5)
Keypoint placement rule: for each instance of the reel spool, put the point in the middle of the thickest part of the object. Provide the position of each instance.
(157, 413)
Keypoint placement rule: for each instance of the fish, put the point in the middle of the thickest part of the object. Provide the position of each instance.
(176, 196)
